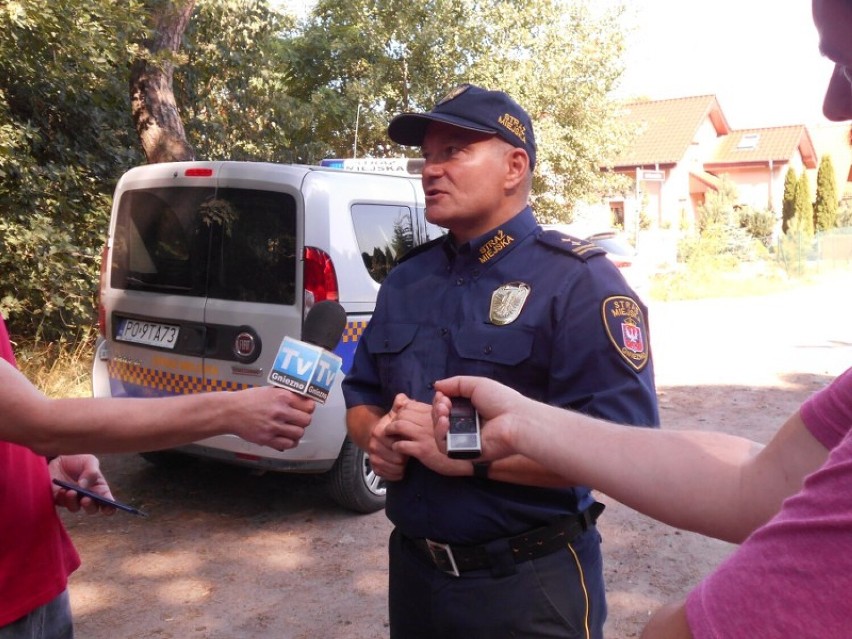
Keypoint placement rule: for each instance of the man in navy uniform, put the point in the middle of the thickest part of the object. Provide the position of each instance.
(505, 550)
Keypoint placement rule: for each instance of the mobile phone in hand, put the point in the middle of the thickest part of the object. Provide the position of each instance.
(463, 436)
(83, 492)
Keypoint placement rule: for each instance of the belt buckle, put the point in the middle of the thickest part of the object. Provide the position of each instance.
(442, 555)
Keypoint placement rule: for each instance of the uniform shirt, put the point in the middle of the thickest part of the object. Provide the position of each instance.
(790, 578)
(535, 310)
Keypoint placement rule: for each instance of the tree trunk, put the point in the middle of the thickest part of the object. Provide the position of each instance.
(152, 98)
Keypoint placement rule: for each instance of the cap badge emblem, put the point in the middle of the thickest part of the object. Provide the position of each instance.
(507, 302)
(454, 93)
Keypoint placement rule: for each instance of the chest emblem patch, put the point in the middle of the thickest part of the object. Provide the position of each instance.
(627, 329)
(507, 302)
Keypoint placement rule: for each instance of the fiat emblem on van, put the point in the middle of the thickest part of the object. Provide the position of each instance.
(245, 344)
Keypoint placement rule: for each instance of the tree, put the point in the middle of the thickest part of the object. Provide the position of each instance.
(249, 83)
(234, 88)
(718, 208)
(788, 203)
(825, 205)
(153, 108)
(361, 61)
(804, 215)
(64, 138)
(758, 224)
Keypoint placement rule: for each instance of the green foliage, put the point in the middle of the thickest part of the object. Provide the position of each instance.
(560, 59)
(64, 137)
(719, 244)
(362, 63)
(718, 208)
(758, 224)
(252, 84)
(60, 368)
(794, 247)
(359, 63)
(803, 218)
(233, 87)
(728, 235)
(825, 205)
(718, 279)
(788, 202)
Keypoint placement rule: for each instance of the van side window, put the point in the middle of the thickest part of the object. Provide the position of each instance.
(385, 232)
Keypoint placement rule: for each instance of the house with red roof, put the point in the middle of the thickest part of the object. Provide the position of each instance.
(683, 147)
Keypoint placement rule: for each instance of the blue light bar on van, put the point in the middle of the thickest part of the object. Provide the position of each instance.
(199, 172)
(400, 166)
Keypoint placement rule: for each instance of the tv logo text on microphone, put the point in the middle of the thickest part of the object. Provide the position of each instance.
(305, 369)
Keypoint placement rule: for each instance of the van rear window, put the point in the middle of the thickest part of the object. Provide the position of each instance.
(231, 244)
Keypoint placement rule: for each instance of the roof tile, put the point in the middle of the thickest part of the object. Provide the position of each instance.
(666, 128)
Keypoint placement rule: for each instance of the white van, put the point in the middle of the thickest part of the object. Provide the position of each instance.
(207, 267)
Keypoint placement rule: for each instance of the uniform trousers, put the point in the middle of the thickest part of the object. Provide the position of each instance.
(560, 595)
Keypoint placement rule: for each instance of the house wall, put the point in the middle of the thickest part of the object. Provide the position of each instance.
(669, 203)
(758, 188)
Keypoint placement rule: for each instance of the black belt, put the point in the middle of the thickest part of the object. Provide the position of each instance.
(535, 543)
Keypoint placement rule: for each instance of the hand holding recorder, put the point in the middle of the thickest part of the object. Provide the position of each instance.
(492, 404)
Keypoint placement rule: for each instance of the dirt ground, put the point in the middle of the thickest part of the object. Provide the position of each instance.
(226, 554)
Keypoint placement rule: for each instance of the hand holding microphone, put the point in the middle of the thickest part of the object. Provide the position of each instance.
(307, 366)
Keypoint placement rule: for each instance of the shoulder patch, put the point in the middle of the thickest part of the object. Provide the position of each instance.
(580, 249)
(627, 329)
(422, 248)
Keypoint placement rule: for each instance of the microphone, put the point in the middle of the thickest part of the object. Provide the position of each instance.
(324, 324)
(307, 366)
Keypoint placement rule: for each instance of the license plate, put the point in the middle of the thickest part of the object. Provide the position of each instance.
(148, 333)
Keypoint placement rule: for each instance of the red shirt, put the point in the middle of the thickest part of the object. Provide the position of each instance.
(36, 554)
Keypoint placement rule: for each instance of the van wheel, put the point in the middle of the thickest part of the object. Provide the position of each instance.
(352, 482)
(167, 459)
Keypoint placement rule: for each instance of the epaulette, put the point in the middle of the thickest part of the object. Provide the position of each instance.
(421, 248)
(581, 249)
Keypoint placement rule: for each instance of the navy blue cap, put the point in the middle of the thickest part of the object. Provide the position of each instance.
(470, 107)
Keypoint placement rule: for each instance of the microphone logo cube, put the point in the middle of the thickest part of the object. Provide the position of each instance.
(294, 365)
(305, 369)
(323, 378)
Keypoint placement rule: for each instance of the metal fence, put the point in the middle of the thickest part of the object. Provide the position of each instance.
(824, 250)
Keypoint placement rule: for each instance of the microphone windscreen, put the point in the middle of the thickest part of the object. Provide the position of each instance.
(324, 324)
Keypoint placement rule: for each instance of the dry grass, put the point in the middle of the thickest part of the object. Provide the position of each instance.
(59, 369)
(712, 280)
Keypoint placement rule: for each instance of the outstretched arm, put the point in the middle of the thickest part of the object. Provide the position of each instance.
(266, 415)
(712, 483)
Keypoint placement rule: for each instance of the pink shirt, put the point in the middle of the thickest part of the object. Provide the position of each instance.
(792, 577)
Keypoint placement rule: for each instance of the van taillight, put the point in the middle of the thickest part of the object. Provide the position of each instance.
(102, 327)
(320, 276)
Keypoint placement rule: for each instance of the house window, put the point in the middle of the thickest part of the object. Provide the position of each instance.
(617, 212)
(749, 141)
